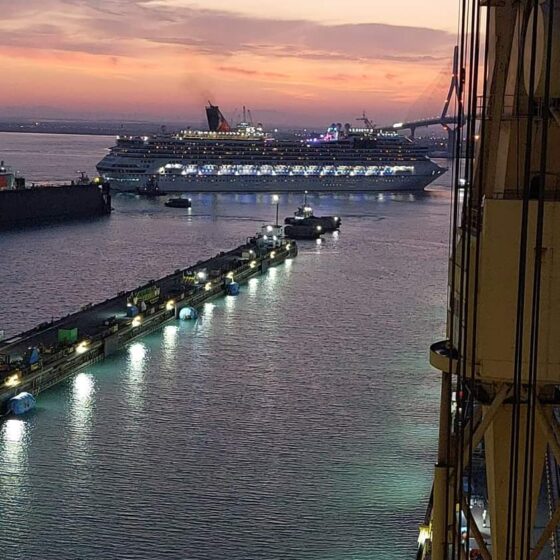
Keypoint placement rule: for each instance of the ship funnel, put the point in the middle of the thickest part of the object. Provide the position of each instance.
(216, 121)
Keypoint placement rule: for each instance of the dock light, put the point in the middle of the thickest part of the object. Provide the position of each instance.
(137, 321)
(336, 218)
(208, 286)
(272, 254)
(269, 228)
(12, 381)
(201, 275)
(274, 238)
(253, 264)
(424, 534)
(319, 228)
(82, 347)
(276, 200)
(128, 304)
(265, 237)
(170, 305)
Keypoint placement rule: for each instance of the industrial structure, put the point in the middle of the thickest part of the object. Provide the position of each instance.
(496, 487)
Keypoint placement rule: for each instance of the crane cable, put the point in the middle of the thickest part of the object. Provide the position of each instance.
(515, 454)
(537, 273)
(455, 302)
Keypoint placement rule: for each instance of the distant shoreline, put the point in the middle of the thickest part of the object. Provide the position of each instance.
(58, 132)
(83, 130)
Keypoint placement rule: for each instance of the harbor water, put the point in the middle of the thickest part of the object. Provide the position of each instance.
(297, 420)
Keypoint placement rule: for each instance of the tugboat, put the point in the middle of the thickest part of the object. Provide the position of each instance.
(304, 217)
(178, 203)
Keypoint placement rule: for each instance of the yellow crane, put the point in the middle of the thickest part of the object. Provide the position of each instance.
(500, 362)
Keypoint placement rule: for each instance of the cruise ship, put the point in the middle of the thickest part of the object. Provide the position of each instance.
(247, 159)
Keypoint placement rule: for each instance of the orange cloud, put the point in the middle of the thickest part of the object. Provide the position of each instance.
(164, 58)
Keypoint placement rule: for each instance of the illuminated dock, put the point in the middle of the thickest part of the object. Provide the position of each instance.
(46, 355)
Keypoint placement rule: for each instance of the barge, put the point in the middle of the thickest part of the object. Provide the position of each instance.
(40, 358)
(22, 206)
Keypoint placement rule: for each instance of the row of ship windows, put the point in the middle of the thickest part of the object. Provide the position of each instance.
(280, 171)
(195, 166)
(201, 158)
(323, 180)
(267, 153)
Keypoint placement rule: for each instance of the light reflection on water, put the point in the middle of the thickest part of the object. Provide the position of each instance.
(135, 374)
(296, 420)
(170, 335)
(13, 480)
(82, 402)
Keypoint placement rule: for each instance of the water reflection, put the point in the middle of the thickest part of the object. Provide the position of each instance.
(81, 406)
(271, 278)
(84, 386)
(208, 309)
(253, 286)
(136, 354)
(135, 373)
(170, 334)
(204, 322)
(230, 302)
(13, 433)
(13, 459)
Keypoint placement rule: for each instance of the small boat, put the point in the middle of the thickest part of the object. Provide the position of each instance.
(304, 216)
(178, 203)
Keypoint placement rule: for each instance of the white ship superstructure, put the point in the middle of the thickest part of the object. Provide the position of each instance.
(248, 160)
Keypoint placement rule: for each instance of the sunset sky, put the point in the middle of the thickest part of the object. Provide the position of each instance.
(290, 61)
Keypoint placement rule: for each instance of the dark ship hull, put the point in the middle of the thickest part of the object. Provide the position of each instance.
(31, 206)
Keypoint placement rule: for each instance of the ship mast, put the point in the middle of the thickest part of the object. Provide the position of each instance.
(500, 362)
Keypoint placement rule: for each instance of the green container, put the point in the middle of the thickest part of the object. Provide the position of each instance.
(68, 335)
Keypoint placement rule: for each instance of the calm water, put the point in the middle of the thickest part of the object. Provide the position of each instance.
(296, 421)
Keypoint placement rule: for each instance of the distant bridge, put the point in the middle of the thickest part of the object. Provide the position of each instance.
(444, 121)
(448, 122)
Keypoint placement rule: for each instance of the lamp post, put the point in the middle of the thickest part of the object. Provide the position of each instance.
(276, 200)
